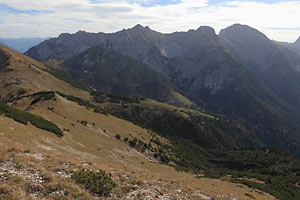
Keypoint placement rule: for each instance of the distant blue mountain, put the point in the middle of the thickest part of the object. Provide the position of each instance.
(21, 44)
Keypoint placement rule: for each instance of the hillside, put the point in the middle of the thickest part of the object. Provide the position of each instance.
(35, 163)
(30, 76)
(30, 151)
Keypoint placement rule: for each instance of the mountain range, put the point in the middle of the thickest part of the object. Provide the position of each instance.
(151, 115)
(239, 73)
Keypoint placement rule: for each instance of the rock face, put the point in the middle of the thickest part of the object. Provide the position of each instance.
(260, 55)
(66, 45)
(250, 46)
(104, 69)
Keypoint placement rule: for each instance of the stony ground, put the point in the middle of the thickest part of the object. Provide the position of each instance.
(29, 175)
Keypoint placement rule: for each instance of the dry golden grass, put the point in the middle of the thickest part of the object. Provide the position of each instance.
(88, 144)
(31, 77)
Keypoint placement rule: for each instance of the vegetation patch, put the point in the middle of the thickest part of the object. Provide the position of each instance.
(37, 97)
(25, 117)
(4, 61)
(84, 122)
(5, 193)
(42, 96)
(249, 195)
(275, 171)
(101, 97)
(118, 136)
(82, 102)
(98, 183)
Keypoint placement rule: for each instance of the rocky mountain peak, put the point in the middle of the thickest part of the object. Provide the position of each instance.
(242, 32)
(138, 32)
(63, 35)
(140, 27)
(250, 45)
(80, 33)
(206, 30)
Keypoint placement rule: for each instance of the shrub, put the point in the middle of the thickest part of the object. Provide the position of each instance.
(164, 158)
(84, 122)
(118, 136)
(25, 117)
(98, 183)
(42, 96)
(249, 195)
(132, 143)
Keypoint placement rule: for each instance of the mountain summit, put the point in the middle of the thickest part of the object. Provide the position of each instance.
(260, 55)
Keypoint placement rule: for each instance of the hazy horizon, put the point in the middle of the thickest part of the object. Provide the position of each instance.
(33, 18)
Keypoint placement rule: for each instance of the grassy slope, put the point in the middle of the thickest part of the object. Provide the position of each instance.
(276, 168)
(28, 74)
(25, 117)
(90, 144)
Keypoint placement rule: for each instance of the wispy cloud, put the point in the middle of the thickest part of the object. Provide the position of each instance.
(278, 19)
(7, 9)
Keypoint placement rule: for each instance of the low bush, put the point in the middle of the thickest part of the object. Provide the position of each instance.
(25, 117)
(42, 96)
(84, 122)
(98, 183)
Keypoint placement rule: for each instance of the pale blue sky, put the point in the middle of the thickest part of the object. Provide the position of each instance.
(278, 19)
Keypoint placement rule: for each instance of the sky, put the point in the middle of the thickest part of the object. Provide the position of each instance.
(278, 19)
